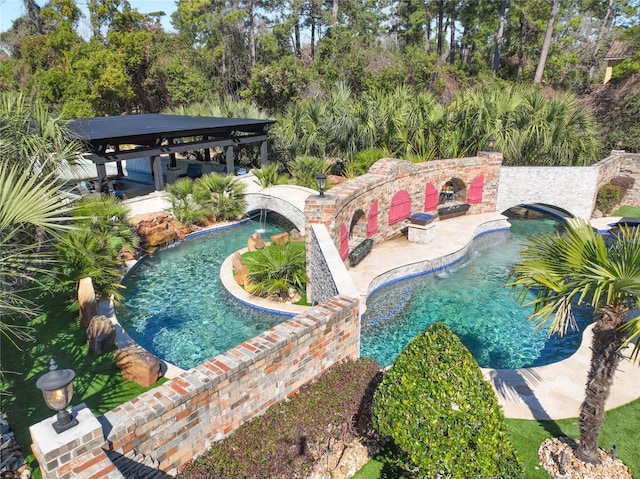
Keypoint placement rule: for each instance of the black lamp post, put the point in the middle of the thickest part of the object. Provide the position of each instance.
(321, 180)
(57, 390)
(491, 143)
(619, 144)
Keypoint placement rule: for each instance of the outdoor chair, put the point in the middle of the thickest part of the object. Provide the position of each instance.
(194, 170)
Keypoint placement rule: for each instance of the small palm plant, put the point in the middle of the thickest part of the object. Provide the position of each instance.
(223, 196)
(184, 207)
(305, 168)
(276, 269)
(269, 175)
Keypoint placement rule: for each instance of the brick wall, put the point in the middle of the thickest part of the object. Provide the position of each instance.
(349, 202)
(180, 419)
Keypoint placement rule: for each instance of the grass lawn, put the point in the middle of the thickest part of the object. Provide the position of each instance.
(57, 334)
(628, 211)
(621, 428)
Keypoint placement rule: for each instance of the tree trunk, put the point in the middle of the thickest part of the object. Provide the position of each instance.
(546, 44)
(440, 26)
(499, 34)
(523, 31)
(605, 358)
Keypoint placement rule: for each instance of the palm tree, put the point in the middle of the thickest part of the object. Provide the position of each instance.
(577, 266)
(223, 196)
(184, 207)
(276, 269)
(31, 211)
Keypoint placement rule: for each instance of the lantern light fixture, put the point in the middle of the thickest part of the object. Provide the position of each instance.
(321, 180)
(57, 389)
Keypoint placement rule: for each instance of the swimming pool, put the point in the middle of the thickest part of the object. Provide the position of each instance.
(471, 299)
(176, 307)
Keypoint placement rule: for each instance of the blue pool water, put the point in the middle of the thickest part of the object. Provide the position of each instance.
(471, 300)
(176, 307)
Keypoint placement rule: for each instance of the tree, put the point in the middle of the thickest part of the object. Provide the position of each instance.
(577, 267)
(223, 196)
(277, 269)
(546, 44)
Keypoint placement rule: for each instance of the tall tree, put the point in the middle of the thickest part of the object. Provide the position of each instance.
(577, 266)
(546, 44)
(499, 34)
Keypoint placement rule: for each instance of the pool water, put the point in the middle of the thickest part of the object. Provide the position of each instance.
(176, 306)
(471, 299)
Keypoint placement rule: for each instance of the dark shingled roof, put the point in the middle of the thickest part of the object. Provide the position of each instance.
(618, 51)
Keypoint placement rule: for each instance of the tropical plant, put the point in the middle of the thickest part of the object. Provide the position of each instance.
(442, 414)
(184, 207)
(105, 214)
(222, 195)
(362, 162)
(31, 211)
(87, 253)
(577, 267)
(276, 269)
(269, 175)
(305, 168)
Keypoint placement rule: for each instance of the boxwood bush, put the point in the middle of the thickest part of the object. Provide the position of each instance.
(291, 435)
(442, 414)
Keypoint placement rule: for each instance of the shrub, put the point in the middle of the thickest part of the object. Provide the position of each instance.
(608, 196)
(442, 414)
(291, 435)
(276, 269)
(625, 183)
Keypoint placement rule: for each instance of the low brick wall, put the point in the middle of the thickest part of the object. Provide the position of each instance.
(180, 419)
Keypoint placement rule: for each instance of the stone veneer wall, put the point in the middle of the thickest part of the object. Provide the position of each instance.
(630, 166)
(179, 420)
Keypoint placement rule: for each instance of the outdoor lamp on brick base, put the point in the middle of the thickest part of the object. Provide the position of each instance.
(491, 143)
(57, 390)
(321, 180)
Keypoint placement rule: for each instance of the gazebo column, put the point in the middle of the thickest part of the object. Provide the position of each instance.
(263, 153)
(156, 167)
(103, 180)
(230, 164)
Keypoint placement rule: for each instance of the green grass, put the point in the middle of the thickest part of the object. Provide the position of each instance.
(628, 211)
(620, 427)
(57, 333)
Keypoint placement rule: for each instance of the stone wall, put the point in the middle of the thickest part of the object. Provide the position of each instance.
(328, 275)
(179, 420)
(630, 166)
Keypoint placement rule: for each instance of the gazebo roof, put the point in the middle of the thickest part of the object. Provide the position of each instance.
(152, 129)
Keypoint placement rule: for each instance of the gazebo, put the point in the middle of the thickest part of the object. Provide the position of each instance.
(119, 138)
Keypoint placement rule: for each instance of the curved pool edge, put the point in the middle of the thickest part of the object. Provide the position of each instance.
(556, 391)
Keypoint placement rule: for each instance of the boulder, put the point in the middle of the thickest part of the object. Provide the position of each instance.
(255, 242)
(87, 301)
(295, 235)
(240, 270)
(280, 238)
(101, 335)
(136, 364)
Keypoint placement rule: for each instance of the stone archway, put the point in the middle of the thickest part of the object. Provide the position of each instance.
(358, 226)
(454, 190)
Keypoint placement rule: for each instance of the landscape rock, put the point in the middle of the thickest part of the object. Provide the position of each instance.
(295, 235)
(550, 455)
(280, 238)
(138, 365)
(255, 242)
(240, 269)
(101, 335)
(87, 301)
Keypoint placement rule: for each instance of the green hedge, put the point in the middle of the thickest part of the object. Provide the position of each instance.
(442, 414)
(286, 441)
